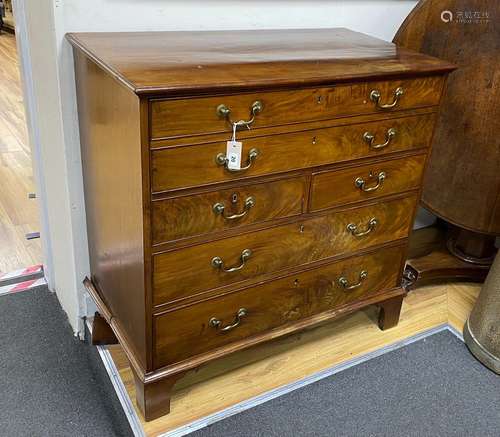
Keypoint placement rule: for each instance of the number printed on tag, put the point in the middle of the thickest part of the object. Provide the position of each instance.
(233, 154)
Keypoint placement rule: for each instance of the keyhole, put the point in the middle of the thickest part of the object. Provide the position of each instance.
(314, 140)
(319, 100)
(301, 228)
(296, 282)
(234, 198)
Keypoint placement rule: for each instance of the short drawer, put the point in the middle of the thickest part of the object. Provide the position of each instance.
(186, 216)
(192, 116)
(355, 184)
(195, 165)
(193, 270)
(220, 321)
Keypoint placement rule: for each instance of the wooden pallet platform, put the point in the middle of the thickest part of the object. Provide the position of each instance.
(261, 369)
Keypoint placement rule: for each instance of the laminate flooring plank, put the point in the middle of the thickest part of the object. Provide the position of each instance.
(18, 214)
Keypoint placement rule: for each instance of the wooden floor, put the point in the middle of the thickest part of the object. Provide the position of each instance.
(18, 214)
(250, 373)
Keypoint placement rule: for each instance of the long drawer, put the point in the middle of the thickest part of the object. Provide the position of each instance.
(189, 166)
(191, 116)
(355, 184)
(186, 272)
(205, 326)
(186, 216)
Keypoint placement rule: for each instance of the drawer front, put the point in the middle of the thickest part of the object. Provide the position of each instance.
(192, 270)
(187, 216)
(338, 187)
(199, 328)
(180, 167)
(192, 116)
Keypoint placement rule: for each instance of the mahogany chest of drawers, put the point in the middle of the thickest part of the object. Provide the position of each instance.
(197, 252)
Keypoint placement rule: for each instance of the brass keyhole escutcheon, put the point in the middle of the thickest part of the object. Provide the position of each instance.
(301, 228)
(234, 198)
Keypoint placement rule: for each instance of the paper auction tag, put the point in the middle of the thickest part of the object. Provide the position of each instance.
(233, 154)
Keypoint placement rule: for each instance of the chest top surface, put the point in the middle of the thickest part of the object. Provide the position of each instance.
(190, 62)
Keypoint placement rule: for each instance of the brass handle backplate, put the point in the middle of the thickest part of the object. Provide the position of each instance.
(216, 323)
(344, 282)
(375, 96)
(353, 229)
(361, 183)
(221, 159)
(218, 263)
(224, 112)
(220, 209)
(389, 136)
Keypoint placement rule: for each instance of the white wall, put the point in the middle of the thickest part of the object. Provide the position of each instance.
(379, 18)
(53, 74)
(35, 28)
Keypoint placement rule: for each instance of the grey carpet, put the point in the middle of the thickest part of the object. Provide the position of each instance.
(433, 387)
(51, 384)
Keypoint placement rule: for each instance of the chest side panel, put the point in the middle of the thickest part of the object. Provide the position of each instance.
(110, 134)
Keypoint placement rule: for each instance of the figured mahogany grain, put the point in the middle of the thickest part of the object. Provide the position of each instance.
(196, 62)
(179, 167)
(179, 117)
(187, 332)
(244, 134)
(337, 187)
(185, 216)
(186, 272)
